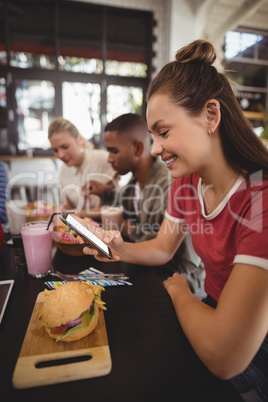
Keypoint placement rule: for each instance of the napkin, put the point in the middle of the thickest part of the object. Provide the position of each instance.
(91, 270)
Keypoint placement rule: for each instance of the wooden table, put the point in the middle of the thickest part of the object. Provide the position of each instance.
(151, 357)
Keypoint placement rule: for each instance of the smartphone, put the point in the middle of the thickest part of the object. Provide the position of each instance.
(86, 234)
(5, 290)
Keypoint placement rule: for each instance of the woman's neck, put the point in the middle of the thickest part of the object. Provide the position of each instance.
(215, 188)
(80, 159)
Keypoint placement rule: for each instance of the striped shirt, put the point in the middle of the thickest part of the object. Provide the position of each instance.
(3, 189)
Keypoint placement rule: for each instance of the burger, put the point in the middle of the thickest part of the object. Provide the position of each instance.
(71, 311)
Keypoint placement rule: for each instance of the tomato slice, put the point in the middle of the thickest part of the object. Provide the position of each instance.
(59, 330)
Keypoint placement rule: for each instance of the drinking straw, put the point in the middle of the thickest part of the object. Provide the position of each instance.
(52, 216)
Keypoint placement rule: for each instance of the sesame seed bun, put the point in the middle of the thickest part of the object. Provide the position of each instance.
(67, 303)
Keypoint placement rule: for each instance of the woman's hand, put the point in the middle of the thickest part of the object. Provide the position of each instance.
(176, 283)
(112, 238)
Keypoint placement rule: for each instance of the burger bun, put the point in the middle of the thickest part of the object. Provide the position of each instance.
(66, 303)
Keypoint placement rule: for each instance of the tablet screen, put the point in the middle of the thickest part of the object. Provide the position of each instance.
(5, 289)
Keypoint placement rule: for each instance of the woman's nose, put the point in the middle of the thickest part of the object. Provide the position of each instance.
(157, 148)
(60, 153)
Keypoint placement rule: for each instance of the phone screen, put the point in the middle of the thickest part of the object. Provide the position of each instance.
(5, 289)
(85, 234)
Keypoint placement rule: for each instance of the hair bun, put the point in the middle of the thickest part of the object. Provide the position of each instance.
(199, 50)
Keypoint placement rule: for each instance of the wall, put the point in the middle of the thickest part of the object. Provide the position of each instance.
(182, 26)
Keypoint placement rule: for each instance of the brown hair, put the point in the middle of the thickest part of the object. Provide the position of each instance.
(190, 81)
(60, 124)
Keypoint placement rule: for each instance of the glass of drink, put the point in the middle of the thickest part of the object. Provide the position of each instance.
(37, 243)
(111, 217)
(16, 213)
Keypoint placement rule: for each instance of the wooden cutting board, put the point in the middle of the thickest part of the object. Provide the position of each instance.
(44, 361)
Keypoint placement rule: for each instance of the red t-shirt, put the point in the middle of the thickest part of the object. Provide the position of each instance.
(235, 232)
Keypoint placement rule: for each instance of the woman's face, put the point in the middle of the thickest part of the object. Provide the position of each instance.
(182, 141)
(67, 148)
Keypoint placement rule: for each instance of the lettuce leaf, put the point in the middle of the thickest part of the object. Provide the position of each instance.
(87, 317)
(69, 331)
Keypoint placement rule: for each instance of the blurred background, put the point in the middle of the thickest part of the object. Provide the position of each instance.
(91, 61)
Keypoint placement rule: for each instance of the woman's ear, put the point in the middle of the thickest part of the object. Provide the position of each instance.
(81, 140)
(213, 114)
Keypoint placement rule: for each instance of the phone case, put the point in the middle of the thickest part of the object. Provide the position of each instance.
(84, 236)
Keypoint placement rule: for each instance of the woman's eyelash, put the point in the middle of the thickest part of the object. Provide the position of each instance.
(163, 134)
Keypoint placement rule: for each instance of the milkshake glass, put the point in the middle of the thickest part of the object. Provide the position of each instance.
(112, 217)
(37, 243)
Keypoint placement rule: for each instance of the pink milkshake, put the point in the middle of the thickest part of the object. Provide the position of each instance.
(37, 243)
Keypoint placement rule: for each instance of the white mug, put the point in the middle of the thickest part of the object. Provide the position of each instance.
(16, 213)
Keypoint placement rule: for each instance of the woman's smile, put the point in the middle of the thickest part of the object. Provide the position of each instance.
(169, 160)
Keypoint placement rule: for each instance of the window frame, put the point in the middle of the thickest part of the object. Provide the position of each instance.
(58, 76)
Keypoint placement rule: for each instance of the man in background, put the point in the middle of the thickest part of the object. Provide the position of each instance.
(144, 198)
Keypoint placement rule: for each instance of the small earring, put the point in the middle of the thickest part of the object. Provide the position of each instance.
(217, 107)
(211, 131)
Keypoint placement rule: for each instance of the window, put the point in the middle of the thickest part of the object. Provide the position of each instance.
(246, 59)
(35, 104)
(243, 44)
(69, 58)
(84, 110)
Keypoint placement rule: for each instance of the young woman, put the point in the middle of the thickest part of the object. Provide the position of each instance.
(219, 194)
(81, 163)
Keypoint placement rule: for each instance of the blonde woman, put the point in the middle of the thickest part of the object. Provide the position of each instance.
(81, 163)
